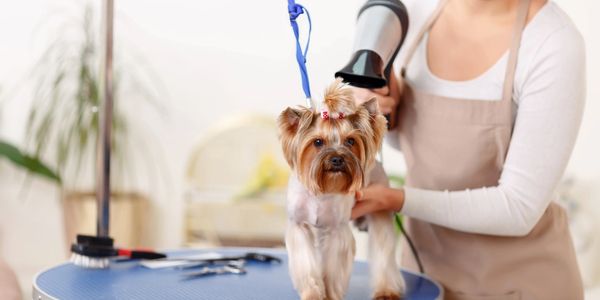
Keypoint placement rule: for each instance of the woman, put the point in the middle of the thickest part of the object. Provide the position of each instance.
(9, 287)
(489, 102)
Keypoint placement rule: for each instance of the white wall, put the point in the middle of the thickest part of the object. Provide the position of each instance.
(215, 58)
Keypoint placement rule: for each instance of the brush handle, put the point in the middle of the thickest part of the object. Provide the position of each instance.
(140, 254)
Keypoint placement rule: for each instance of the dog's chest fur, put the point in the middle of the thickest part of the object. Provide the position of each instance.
(323, 211)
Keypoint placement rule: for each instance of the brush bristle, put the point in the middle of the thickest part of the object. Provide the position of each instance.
(89, 262)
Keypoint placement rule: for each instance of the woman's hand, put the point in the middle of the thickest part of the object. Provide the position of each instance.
(377, 197)
(387, 98)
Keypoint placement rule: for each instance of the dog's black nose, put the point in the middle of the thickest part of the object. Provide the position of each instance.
(337, 161)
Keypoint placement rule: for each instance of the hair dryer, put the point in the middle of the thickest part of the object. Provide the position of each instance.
(381, 29)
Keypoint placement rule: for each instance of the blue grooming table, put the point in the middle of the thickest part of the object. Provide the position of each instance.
(129, 280)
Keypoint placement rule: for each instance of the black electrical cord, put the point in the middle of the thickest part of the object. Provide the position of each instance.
(410, 243)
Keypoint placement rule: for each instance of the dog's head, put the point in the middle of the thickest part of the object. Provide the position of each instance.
(331, 149)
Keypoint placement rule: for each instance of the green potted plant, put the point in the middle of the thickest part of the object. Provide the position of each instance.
(63, 127)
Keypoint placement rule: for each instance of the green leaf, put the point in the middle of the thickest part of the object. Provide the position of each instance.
(396, 180)
(27, 162)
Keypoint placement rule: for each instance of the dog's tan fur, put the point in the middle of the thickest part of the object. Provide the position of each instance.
(319, 241)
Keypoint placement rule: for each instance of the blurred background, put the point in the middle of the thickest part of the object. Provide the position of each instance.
(196, 159)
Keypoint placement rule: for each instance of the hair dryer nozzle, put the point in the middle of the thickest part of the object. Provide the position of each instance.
(364, 70)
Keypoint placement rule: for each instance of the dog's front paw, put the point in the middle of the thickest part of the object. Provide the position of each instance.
(311, 295)
(387, 295)
(390, 287)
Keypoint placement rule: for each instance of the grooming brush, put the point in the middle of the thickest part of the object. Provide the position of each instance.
(92, 252)
(95, 252)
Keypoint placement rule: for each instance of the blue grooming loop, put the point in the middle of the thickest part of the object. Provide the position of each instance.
(128, 280)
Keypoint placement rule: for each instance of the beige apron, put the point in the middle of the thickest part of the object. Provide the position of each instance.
(457, 144)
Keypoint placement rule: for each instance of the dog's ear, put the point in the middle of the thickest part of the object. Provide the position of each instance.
(377, 121)
(371, 106)
(288, 123)
(288, 120)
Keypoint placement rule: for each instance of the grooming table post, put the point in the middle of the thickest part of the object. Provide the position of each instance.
(104, 142)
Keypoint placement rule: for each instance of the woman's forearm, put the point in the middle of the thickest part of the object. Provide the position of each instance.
(486, 210)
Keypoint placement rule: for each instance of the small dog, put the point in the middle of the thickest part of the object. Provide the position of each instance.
(332, 155)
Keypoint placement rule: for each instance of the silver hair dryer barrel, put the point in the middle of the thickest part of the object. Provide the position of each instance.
(381, 30)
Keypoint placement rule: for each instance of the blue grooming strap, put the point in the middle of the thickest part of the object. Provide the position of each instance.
(296, 10)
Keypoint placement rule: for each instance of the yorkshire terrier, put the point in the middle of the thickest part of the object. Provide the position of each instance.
(331, 152)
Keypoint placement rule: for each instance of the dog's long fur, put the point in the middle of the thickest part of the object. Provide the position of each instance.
(332, 158)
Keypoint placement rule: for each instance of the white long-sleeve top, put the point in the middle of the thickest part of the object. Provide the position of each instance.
(548, 95)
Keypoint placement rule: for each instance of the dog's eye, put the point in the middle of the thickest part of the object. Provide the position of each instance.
(318, 142)
(350, 142)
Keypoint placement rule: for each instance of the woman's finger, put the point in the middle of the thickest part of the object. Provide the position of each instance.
(386, 104)
(362, 208)
(383, 91)
(358, 195)
(365, 194)
(394, 87)
(362, 95)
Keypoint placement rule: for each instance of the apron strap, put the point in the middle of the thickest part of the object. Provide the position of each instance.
(415, 44)
(511, 67)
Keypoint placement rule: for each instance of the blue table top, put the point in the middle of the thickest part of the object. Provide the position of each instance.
(129, 280)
